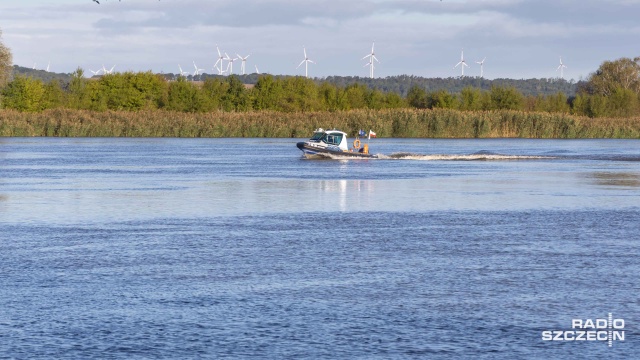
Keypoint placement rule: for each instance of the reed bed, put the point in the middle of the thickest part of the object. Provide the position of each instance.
(401, 123)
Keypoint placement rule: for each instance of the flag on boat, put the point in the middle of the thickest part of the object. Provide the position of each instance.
(362, 133)
(372, 134)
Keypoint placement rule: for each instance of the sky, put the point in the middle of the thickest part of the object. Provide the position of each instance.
(519, 39)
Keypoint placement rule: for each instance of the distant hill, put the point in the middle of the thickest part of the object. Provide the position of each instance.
(399, 84)
(43, 75)
(402, 83)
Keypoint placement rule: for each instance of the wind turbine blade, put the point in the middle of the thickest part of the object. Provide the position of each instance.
(375, 58)
(457, 64)
(305, 52)
(302, 62)
(366, 56)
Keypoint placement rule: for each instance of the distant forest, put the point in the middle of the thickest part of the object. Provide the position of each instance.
(400, 84)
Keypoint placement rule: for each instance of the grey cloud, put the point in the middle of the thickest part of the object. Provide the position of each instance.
(578, 12)
(237, 14)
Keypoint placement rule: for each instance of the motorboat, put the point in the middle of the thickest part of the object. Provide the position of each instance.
(334, 143)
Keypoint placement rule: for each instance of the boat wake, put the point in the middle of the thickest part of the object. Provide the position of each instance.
(480, 156)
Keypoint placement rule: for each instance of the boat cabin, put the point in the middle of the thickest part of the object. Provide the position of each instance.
(331, 137)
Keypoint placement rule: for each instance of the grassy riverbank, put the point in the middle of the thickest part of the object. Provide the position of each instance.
(402, 123)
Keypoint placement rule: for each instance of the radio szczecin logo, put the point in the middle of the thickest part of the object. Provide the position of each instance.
(608, 330)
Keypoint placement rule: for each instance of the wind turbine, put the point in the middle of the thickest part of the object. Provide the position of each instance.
(371, 57)
(370, 63)
(257, 71)
(481, 63)
(219, 61)
(95, 72)
(105, 71)
(220, 71)
(244, 60)
(48, 64)
(230, 63)
(306, 62)
(561, 67)
(197, 71)
(182, 73)
(462, 62)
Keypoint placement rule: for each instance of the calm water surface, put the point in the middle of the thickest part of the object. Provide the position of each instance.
(237, 248)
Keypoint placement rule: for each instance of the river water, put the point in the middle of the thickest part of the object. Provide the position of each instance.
(239, 248)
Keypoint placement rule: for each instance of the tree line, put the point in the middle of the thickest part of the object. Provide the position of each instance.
(148, 91)
(400, 84)
(614, 94)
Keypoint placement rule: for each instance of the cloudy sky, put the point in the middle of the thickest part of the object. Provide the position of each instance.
(519, 38)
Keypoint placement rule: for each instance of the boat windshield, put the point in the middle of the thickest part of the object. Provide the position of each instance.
(317, 136)
(333, 139)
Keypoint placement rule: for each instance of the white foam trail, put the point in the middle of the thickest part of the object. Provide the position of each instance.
(437, 157)
(459, 157)
(338, 157)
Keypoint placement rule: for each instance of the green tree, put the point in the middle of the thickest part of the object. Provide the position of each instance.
(24, 94)
(549, 103)
(5, 63)
(622, 102)
(94, 97)
(557, 103)
(266, 92)
(184, 96)
(77, 91)
(417, 97)
(236, 98)
(508, 98)
(590, 105)
(441, 99)
(622, 73)
(393, 100)
(470, 99)
(356, 96)
(53, 96)
(213, 90)
(374, 99)
(329, 96)
(133, 91)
